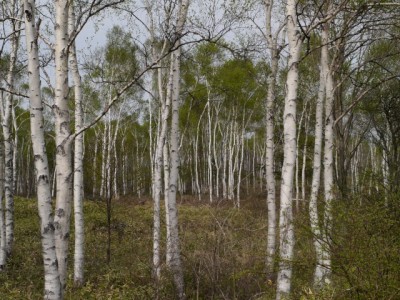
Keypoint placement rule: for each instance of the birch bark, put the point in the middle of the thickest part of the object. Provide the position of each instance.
(270, 144)
(94, 174)
(3, 253)
(328, 169)
(52, 285)
(63, 142)
(303, 167)
(15, 152)
(158, 164)
(209, 158)
(78, 159)
(166, 195)
(175, 259)
(103, 160)
(7, 135)
(286, 233)
(316, 178)
(176, 264)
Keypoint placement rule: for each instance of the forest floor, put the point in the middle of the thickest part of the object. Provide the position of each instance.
(223, 252)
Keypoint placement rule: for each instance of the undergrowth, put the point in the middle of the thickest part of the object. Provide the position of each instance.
(223, 252)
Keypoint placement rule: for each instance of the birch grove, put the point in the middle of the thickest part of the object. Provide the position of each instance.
(163, 130)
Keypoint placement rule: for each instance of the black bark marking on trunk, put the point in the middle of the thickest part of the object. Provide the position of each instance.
(48, 228)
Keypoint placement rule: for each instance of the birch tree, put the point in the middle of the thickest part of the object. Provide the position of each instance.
(328, 167)
(63, 142)
(6, 111)
(52, 284)
(175, 259)
(274, 52)
(286, 230)
(78, 158)
(313, 205)
(170, 102)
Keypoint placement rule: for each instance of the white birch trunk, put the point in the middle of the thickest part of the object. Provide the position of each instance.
(316, 178)
(52, 285)
(63, 143)
(114, 150)
(304, 164)
(196, 156)
(166, 195)
(328, 171)
(209, 157)
(115, 173)
(286, 232)
(103, 160)
(158, 164)
(3, 253)
(240, 162)
(78, 160)
(224, 165)
(176, 263)
(15, 152)
(94, 162)
(270, 144)
(7, 135)
(216, 159)
(107, 184)
(297, 183)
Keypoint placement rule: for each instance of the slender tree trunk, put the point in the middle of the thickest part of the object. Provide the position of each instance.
(240, 167)
(114, 150)
(328, 170)
(270, 144)
(166, 195)
(224, 165)
(216, 158)
(197, 157)
(78, 160)
(52, 285)
(158, 164)
(3, 253)
(7, 134)
(63, 142)
(103, 160)
(94, 162)
(209, 145)
(108, 186)
(297, 170)
(286, 231)
(15, 152)
(176, 263)
(304, 164)
(316, 178)
(123, 167)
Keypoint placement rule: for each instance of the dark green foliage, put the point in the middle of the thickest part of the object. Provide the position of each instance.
(365, 245)
(366, 242)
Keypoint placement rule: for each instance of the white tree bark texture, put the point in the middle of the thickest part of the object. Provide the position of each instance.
(52, 284)
(286, 230)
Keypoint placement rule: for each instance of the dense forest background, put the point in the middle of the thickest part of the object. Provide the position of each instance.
(273, 128)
